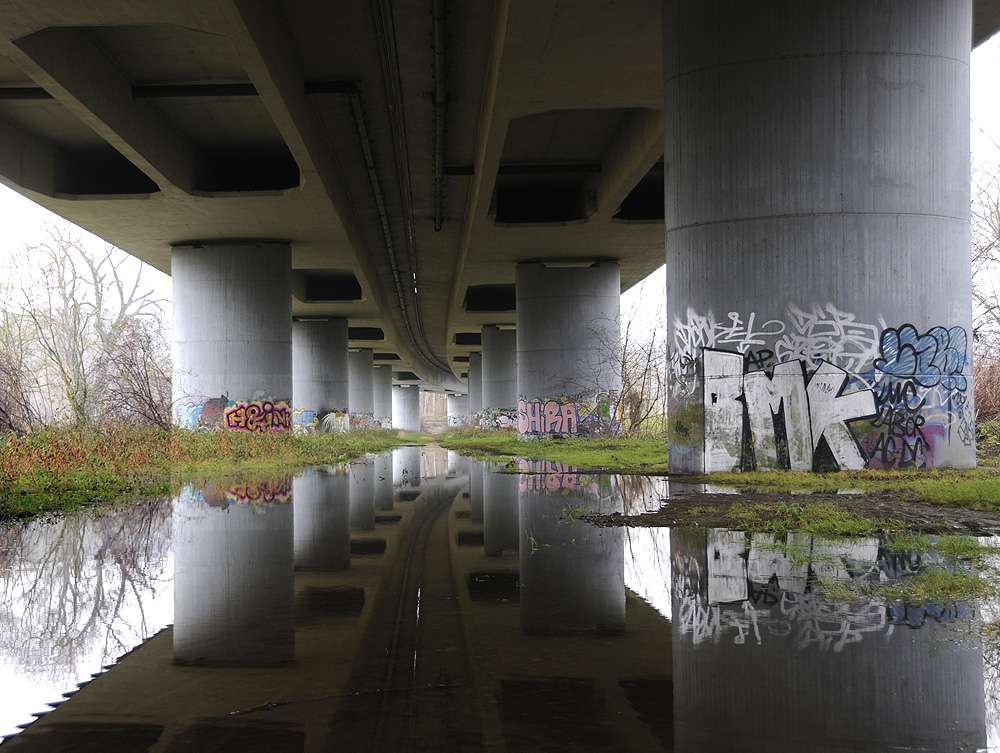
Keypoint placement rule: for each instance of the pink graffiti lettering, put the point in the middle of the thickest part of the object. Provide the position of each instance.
(549, 417)
(259, 416)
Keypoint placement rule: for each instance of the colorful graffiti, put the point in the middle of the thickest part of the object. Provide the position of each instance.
(304, 420)
(500, 419)
(568, 416)
(363, 421)
(336, 421)
(819, 389)
(920, 395)
(547, 476)
(308, 420)
(221, 412)
(259, 416)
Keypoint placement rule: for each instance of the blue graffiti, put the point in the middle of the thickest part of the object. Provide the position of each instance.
(935, 358)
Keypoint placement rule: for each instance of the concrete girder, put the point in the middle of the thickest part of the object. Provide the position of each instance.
(70, 66)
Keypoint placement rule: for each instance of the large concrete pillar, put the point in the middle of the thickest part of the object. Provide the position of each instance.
(817, 234)
(319, 375)
(232, 345)
(475, 388)
(406, 407)
(499, 378)
(361, 398)
(458, 410)
(382, 395)
(568, 375)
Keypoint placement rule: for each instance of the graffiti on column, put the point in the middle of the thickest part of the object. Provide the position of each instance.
(336, 421)
(200, 413)
(259, 416)
(817, 389)
(363, 421)
(501, 419)
(568, 416)
(918, 376)
(308, 420)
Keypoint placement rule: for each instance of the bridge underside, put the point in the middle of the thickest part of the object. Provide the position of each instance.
(410, 170)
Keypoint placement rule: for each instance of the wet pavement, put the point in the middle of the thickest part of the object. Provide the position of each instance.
(421, 601)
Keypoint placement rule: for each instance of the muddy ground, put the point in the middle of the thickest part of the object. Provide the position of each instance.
(893, 512)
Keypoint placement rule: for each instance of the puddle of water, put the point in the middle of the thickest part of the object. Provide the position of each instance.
(423, 600)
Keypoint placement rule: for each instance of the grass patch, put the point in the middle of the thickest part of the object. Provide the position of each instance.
(820, 518)
(61, 470)
(623, 455)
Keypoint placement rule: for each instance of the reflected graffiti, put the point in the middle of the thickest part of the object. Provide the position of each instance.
(263, 491)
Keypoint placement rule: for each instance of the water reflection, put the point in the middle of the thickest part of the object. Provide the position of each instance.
(75, 593)
(752, 635)
(233, 574)
(426, 601)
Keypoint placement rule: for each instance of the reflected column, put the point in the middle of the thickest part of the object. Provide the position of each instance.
(322, 520)
(757, 649)
(572, 574)
(500, 511)
(234, 575)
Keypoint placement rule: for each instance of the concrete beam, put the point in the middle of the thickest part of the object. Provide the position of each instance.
(69, 64)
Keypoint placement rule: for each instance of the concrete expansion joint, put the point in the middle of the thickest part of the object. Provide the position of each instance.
(216, 242)
(800, 215)
(570, 263)
(807, 55)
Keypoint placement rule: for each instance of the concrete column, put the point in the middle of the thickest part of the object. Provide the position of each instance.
(458, 411)
(406, 407)
(568, 376)
(232, 345)
(319, 375)
(817, 234)
(499, 378)
(475, 386)
(382, 395)
(361, 396)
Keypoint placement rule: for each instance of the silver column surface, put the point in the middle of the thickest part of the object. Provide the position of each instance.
(475, 383)
(361, 396)
(499, 377)
(382, 395)
(568, 374)
(816, 160)
(319, 373)
(232, 342)
(406, 407)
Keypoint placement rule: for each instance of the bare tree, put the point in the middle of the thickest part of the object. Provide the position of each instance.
(986, 259)
(95, 329)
